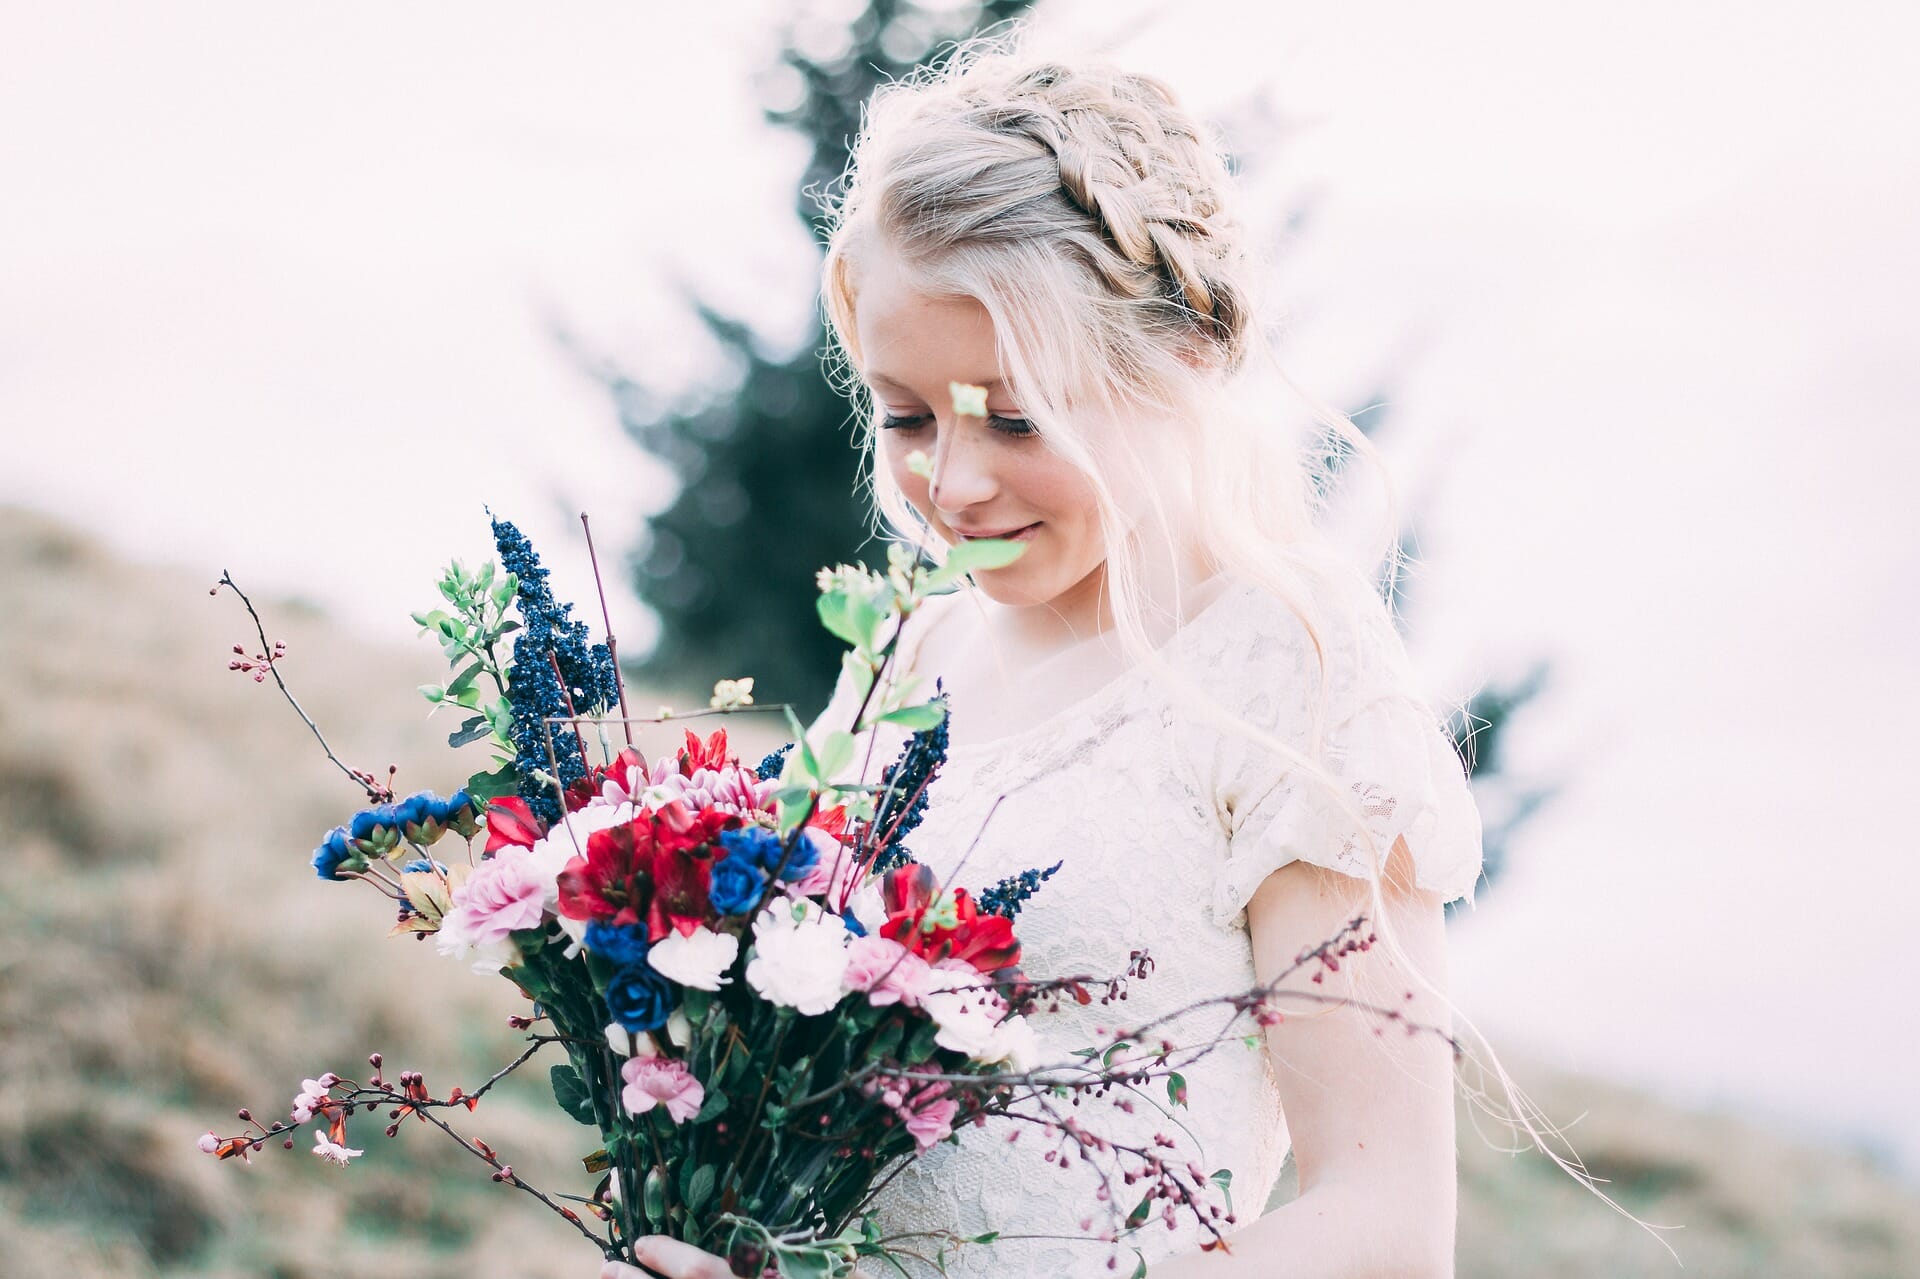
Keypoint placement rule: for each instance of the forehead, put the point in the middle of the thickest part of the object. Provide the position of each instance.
(915, 340)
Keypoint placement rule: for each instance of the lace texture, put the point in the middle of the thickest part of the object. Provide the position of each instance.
(1166, 826)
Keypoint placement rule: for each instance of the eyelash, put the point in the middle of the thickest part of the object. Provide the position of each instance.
(892, 423)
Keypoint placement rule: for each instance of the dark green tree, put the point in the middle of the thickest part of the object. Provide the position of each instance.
(766, 465)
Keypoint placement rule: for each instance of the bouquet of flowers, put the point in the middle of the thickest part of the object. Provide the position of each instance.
(765, 1008)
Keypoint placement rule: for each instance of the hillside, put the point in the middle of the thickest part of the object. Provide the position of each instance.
(168, 956)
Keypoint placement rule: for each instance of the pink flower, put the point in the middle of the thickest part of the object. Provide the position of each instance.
(664, 1081)
(312, 1096)
(927, 1109)
(929, 1115)
(831, 869)
(886, 970)
(505, 893)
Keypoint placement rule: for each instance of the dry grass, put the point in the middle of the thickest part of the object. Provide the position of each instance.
(166, 956)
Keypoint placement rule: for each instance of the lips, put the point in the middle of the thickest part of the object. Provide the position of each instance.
(970, 537)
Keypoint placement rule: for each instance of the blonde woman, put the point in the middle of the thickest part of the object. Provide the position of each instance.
(1178, 690)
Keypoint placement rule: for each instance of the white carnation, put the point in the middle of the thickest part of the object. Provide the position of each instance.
(968, 1019)
(800, 955)
(697, 959)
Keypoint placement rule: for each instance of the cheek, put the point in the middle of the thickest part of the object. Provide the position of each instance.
(893, 459)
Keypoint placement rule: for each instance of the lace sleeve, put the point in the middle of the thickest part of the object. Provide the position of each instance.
(1382, 741)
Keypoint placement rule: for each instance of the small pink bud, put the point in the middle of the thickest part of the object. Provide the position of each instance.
(209, 1143)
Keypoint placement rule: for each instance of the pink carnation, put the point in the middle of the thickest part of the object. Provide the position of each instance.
(504, 894)
(661, 1081)
(927, 1109)
(886, 970)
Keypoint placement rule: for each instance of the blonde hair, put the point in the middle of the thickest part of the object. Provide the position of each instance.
(1045, 187)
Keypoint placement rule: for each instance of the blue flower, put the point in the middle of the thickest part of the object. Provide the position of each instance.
(463, 817)
(369, 820)
(639, 998)
(775, 761)
(735, 886)
(333, 851)
(758, 846)
(590, 682)
(621, 945)
(854, 926)
(1007, 896)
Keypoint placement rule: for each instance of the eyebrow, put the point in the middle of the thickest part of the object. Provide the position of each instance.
(990, 383)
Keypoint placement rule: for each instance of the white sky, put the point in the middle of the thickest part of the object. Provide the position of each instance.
(274, 291)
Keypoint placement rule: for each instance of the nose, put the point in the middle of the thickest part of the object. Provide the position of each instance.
(962, 470)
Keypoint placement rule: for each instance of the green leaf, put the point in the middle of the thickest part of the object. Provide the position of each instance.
(1224, 1179)
(471, 730)
(836, 752)
(433, 693)
(805, 1265)
(1107, 1058)
(702, 1188)
(712, 1107)
(1140, 1212)
(964, 558)
(1177, 1088)
(1140, 1266)
(571, 1092)
(500, 782)
(918, 718)
(464, 680)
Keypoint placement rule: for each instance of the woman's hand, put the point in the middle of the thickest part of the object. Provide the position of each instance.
(663, 1255)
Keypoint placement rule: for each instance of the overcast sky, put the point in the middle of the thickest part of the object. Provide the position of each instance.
(277, 290)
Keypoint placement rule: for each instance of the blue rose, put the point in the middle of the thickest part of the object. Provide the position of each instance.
(640, 998)
(760, 847)
(622, 945)
(735, 885)
(333, 851)
(854, 926)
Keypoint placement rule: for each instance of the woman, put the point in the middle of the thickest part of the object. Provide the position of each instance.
(1178, 691)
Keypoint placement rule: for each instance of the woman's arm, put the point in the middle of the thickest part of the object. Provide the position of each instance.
(1371, 1114)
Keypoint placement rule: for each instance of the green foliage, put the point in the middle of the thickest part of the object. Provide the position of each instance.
(468, 636)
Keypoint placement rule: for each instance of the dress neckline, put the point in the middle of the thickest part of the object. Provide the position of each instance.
(1087, 701)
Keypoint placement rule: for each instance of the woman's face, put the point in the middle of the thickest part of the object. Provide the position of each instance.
(990, 477)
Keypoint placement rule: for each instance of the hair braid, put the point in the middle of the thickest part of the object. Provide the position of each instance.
(1131, 159)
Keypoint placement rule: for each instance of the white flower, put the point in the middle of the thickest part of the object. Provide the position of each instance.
(697, 959)
(455, 943)
(1016, 1043)
(969, 1019)
(332, 1151)
(800, 955)
(679, 1027)
(867, 905)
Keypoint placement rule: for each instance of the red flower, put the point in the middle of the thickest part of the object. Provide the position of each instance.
(831, 820)
(510, 821)
(646, 871)
(950, 928)
(711, 753)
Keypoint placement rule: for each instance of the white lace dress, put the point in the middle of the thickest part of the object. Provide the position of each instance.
(1166, 828)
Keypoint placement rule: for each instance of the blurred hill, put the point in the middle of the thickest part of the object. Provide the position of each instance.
(166, 956)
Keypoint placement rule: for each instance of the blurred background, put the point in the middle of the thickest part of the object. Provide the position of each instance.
(300, 293)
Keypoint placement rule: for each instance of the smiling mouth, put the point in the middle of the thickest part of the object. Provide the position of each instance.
(1010, 533)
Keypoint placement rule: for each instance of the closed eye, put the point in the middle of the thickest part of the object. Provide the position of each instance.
(1013, 426)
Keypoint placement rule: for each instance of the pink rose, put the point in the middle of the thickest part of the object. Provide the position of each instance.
(664, 1081)
(505, 893)
(886, 970)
